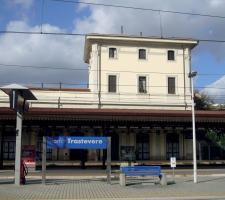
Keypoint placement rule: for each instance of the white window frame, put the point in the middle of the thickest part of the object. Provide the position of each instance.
(116, 56)
(147, 84)
(167, 55)
(167, 85)
(117, 83)
(146, 54)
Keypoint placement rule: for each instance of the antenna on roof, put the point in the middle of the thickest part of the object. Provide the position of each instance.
(121, 30)
(160, 24)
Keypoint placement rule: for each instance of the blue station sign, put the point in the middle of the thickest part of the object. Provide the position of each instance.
(68, 142)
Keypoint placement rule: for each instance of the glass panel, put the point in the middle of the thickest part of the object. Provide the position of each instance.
(145, 147)
(145, 156)
(5, 156)
(142, 84)
(139, 147)
(142, 54)
(171, 85)
(112, 52)
(11, 147)
(112, 83)
(5, 147)
(11, 155)
(171, 55)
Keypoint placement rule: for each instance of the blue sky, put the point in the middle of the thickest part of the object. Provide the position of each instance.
(25, 15)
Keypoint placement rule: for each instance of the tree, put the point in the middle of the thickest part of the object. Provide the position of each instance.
(217, 137)
(202, 101)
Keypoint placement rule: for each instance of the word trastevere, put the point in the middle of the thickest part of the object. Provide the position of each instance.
(76, 142)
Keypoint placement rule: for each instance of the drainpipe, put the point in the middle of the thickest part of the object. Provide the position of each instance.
(99, 76)
(185, 102)
(190, 69)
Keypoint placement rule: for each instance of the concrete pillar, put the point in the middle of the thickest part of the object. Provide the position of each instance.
(1, 146)
(101, 151)
(65, 152)
(104, 151)
(54, 151)
(158, 145)
(163, 145)
(199, 150)
(153, 145)
(92, 153)
(163, 180)
(33, 137)
(122, 180)
(131, 138)
(181, 145)
(209, 152)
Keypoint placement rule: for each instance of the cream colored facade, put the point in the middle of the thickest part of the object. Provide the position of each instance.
(127, 67)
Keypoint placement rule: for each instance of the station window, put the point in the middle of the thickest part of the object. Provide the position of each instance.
(112, 83)
(171, 55)
(9, 150)
(171, 85)
(112, 53)
(142, 54)
(142, 85)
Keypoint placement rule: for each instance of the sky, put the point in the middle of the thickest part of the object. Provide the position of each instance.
(208, 59)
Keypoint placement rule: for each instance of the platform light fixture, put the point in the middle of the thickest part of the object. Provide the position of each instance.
(18, 96)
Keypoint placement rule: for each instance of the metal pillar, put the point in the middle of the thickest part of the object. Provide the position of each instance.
(19, 119)
(193, 132)
(108, 169)
(44, 160)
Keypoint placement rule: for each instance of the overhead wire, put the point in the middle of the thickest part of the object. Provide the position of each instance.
(140, 8)
(105, 85)
(103, 70)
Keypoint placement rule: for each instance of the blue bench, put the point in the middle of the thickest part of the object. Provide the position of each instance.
(142, 171)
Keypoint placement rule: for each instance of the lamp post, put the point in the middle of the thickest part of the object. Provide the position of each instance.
(18, 96)
(191, 76)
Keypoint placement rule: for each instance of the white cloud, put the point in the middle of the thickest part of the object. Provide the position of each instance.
(40, 50)
(68, 51)
(216, 3)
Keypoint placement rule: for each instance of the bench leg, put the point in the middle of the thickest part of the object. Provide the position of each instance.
(163, 179)
(122, 180)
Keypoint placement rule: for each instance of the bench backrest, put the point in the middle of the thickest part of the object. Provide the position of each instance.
(133, 169)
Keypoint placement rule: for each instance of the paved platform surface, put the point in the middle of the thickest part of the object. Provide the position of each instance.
(210, 186)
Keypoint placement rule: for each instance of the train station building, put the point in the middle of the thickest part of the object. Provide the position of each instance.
(139, 94)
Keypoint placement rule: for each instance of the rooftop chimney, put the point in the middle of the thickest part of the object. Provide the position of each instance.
(121, 30)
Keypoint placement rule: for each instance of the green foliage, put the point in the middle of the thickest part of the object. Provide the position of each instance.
(202, 101)
(216, 137)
